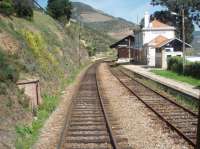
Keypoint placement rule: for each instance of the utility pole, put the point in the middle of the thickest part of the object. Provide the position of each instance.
(79, 42)
(198, 127)
(183, 34)
(129, 53)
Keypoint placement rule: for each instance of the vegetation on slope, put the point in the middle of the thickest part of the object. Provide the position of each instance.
(42, 49)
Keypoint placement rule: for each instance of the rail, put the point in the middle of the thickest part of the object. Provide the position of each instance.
(111, 134)
(87, 120)
(152, 108)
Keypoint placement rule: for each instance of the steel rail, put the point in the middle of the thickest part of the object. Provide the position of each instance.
(185, 109)
(69, 116)
(152, 109)
(108, 125)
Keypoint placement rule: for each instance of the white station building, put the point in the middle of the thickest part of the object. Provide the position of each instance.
(159, 43)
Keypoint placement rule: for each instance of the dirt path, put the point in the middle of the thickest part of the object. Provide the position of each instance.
(142, 128)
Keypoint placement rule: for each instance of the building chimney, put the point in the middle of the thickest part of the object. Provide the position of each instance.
(146, 19)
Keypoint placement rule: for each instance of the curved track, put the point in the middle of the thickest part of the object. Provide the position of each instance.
(89, 124)
(180, 119)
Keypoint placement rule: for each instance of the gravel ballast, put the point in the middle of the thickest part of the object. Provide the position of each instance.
(141, 126)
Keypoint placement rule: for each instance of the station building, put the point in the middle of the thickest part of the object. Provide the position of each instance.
(125, 49)
(152, 45)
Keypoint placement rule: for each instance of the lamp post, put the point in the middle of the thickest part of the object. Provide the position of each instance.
(183, 35)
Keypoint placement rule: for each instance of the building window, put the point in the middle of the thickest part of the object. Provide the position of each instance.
(169, 49)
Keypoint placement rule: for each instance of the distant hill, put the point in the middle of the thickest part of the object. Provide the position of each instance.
(100, 21)
(196, 41)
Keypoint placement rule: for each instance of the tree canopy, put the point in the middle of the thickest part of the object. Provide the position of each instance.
(176, 21)
(192, 14)
(59, 9)
(22, 8)
(191, 7)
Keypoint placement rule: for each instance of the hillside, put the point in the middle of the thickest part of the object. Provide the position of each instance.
(115, 27)
(38, 49)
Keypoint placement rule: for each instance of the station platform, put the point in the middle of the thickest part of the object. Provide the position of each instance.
(185, 88)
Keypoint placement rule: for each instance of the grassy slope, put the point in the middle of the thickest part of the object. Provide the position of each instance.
(45, 50)
(43, 45)
(175, 76)
(93, 37)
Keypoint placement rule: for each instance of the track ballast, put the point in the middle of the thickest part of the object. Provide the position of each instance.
(180, 119)
(89, 124)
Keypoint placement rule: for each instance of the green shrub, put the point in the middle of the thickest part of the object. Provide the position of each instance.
(91, 50)
(46, 60)
(24, 8)
(6, 7)
(27, 134)
(175, 64)
(8, 71)
(193, 69)
(59, 9)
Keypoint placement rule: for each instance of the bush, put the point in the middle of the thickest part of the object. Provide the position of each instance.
(6, 7)
(59, 9)
(193, 69)
(91, 50)
(24, 8)
(175, 64)
(8, 71)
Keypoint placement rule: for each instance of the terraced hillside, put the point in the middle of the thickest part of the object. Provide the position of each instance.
(100, 21)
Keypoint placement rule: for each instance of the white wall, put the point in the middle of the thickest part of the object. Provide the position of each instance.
(149, 35)
(151, 57)
(165, 57)
(146, 19)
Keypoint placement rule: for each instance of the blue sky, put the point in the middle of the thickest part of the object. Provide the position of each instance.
(127, 9)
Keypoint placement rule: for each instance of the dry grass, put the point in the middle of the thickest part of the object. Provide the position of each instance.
(95, 17)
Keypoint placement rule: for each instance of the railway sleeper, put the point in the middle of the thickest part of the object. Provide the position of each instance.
(93, 139)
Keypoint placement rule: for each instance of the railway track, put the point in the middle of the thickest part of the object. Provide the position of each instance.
(178, 118)
(90, 124)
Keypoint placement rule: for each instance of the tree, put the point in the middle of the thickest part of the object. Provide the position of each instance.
(167, 18)
(6, 7)
(59, 9)
(24, 8)
(191, 7)
(192, 13)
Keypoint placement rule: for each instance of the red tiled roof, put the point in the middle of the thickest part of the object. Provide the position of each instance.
(159, 40)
